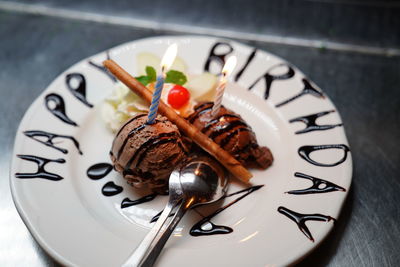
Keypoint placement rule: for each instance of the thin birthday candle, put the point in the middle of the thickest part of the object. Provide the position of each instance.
(166, 63)
(227, 69)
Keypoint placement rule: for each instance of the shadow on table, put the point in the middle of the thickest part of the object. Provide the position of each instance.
(322, 254)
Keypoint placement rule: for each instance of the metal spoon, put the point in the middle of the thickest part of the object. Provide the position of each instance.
(200, 181)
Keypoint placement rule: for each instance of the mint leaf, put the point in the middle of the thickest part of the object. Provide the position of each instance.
(151, 74)
(173, 76)
(176, 77)
(143, 80)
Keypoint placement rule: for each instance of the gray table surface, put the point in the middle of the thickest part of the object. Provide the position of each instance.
(357, 65)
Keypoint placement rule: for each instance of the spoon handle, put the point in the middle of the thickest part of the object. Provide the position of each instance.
(163, 235)
(142, 250)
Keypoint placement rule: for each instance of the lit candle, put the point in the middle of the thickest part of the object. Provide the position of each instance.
(228, 68)
(166, 63)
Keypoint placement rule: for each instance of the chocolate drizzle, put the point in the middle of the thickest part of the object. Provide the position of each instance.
(235, 125)
(128, 122)
(307, 90)
(311, 124)
(249, 59)
(232, 134)
(156, 143)
(78, 91)
(218, 119)
(111, 189)
(151, 143)
(201, 106)
(41, 172)
(59, 109)
(103, 69)
(133, 132)
(226, 128)
(99, 170)
(219, 58)
(319, 186)
(130, 134)
(301, 219)
(199, 230)
(128, 203)
(50, 136)
(199, 110)
(305, 152)
(269, 78)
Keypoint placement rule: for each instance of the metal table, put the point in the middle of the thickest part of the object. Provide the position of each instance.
(351, 49)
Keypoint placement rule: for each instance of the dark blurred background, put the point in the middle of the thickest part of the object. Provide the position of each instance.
(350, 48)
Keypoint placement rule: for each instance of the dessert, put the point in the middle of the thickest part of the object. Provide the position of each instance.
(146, 154)
(226, 159)
(232, 134)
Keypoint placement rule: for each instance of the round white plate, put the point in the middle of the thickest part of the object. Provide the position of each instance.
(78, 225)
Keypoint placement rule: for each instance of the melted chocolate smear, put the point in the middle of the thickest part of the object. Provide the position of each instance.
(41, 172)
(128, 203)
(301, 219)
(305, 152)
(249, 59)
(219, 58)
(111, 189)
(59, 109)
(99, 170)
(103, 69)
(198, 229)
(50, 136)
(319, 186)
(311, 124)
(79, 91)
(269, 78)
(308, 89)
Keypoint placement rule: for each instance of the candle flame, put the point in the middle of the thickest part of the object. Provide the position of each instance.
(169, 56)
(229, 65)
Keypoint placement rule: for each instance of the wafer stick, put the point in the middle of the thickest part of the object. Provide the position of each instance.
(226, 159)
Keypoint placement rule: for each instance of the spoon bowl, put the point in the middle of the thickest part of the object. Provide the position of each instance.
(203, 180)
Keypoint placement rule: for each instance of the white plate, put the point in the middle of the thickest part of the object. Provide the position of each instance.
(78, 225)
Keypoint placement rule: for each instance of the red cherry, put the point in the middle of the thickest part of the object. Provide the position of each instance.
(178, 96)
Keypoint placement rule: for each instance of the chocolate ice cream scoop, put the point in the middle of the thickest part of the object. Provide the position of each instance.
(146, 154)
(232, 133)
